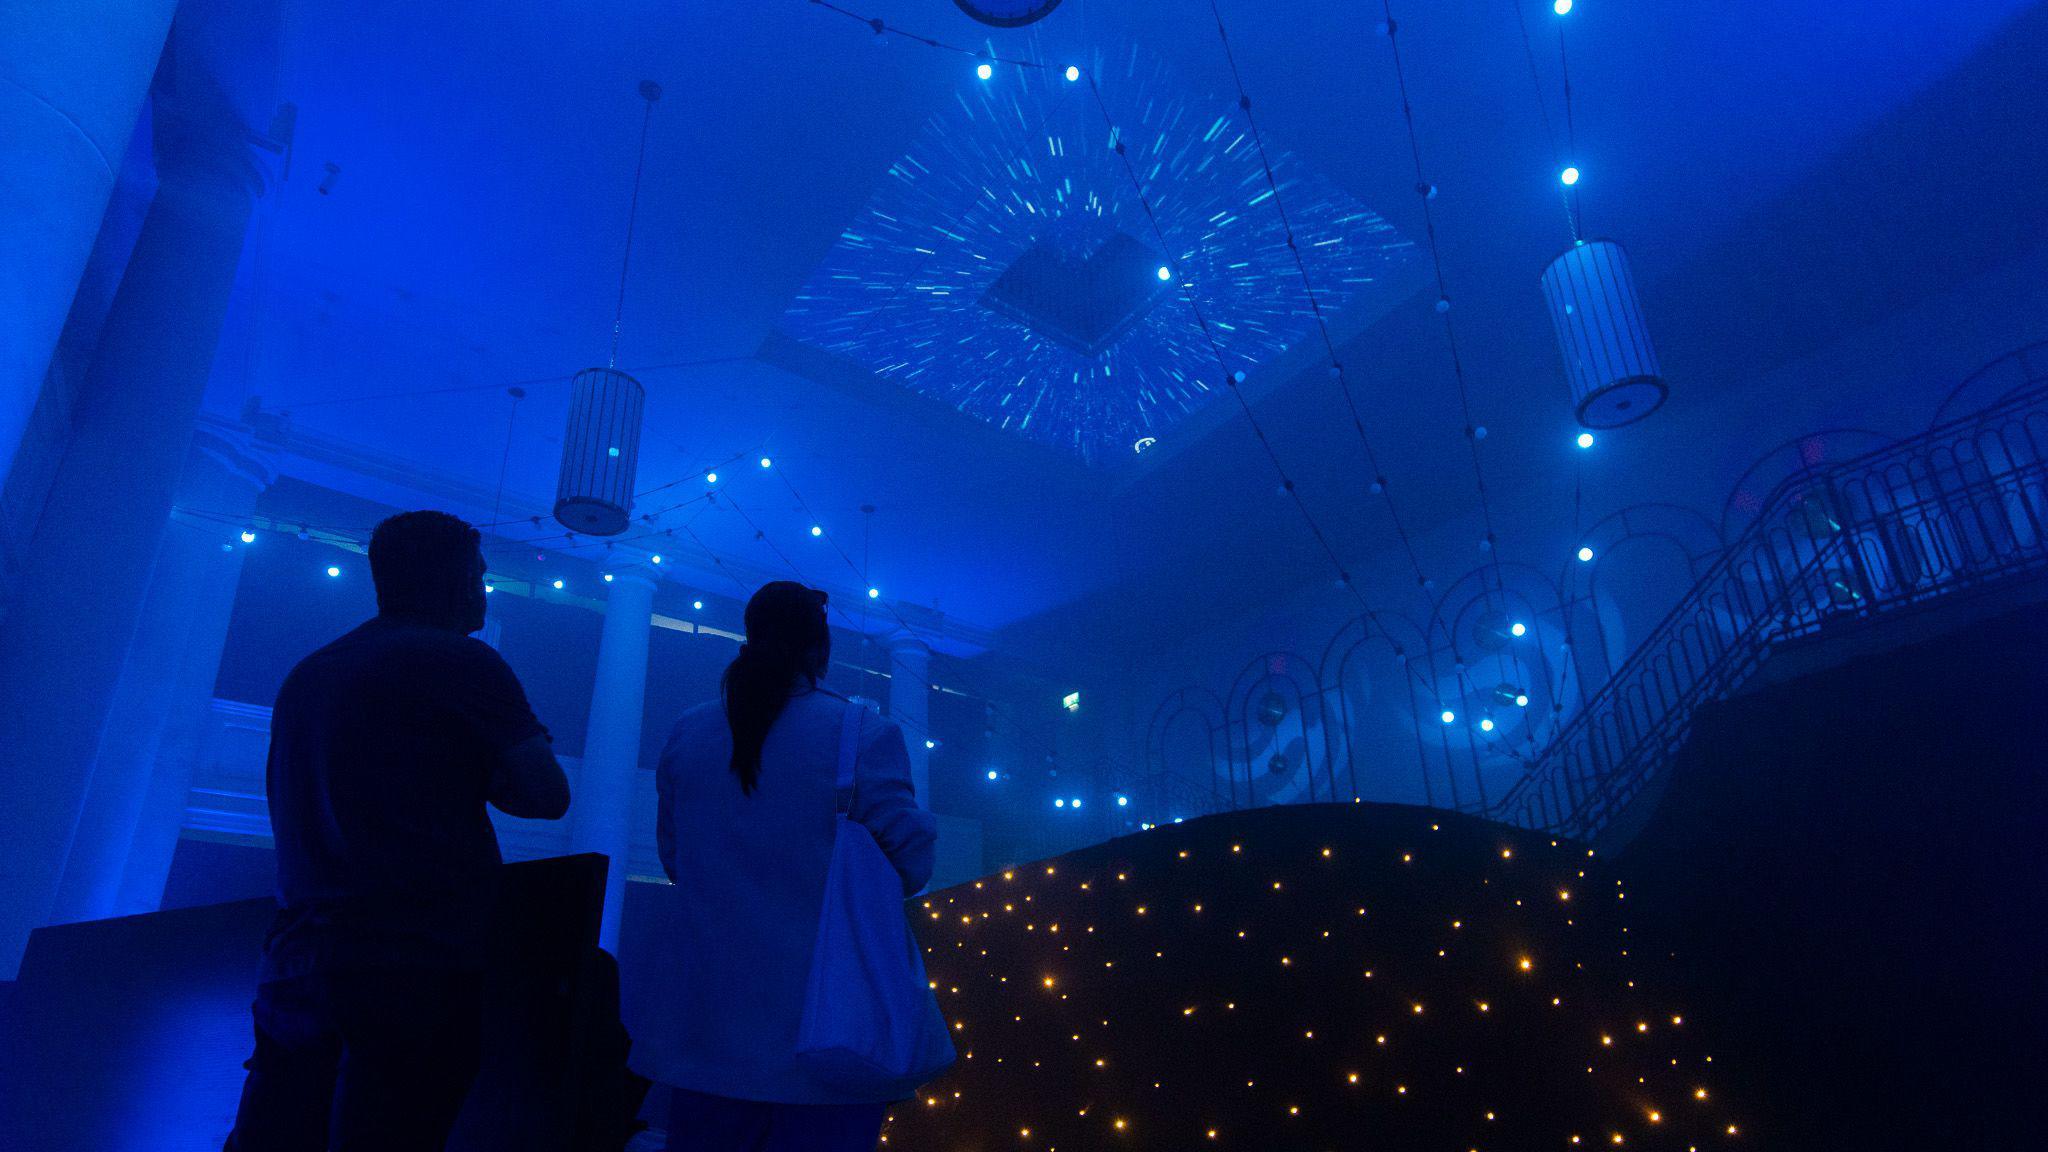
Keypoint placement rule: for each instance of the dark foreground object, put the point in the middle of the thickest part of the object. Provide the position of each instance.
(1856, 863)
(131, 1033)
(1317, 977)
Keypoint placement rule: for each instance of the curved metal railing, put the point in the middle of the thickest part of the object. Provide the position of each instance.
(1958, 506)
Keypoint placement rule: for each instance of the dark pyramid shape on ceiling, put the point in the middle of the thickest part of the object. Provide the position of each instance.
(1313, 977)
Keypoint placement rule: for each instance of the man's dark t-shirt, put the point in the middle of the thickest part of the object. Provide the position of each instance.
(382, 750)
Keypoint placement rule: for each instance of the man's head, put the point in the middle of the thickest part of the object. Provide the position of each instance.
(429, 566)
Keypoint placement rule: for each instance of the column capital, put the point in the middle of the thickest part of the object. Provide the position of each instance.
(905, 643)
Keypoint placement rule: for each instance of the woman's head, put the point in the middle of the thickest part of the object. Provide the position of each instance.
(788, 643)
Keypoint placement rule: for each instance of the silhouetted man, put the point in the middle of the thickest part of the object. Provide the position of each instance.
(384, 748)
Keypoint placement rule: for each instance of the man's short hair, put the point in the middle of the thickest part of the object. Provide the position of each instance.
(423, 562)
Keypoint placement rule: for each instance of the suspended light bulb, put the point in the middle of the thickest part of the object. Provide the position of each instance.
(1519, 629)
(697, 605)
(1449, 716)
(490, 587)
(992, 773)
(1608, 357)
(248, 537)
(874, 593)
(1569, 176)
(984, 71)
(558, 585)
(930, 744)
(817, 531)
(767, 463)
(1123, 801)
(1585, 440)
(711, 477)
(1521, 699)
(607, 577)
(333, 571)
(654, 559)
(1585, 555)
(1074, 803)
(1165, 273)
(1561, 6)
(1059, 802)
(1486, 724)
(1073, 73)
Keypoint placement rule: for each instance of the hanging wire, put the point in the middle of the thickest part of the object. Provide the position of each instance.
(882, 27)
(650, 92)
(1380, 484)
(1187, 291)
(1571, 142)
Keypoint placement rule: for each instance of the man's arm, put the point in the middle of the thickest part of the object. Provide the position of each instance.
(530, 782)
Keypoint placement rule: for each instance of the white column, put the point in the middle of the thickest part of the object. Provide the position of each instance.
(602, 809)
(910, 681)
(131, 820)
(72, 81)
(79, 593)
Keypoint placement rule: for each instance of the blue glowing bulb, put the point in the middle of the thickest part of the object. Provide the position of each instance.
(607, 577)
(1561, 6)
(612, 451)
(1486, 725)
(874, 593)
(654, 559)
(1176, 819)
(1585, 555)
(1521, 699)
(930, 744)
(248, 537)
(1073, 73)
(1165, 273)
(333, 571)
(558, 585)
(1449, 716)
(991, 773)
(711, 477)
(1519, 629)
(1059, 802)
(1585, 439)
(697, 604)
(1123, 801)
(1074, 803)
(766, 462)
(1570, 176)
(490, 587)
(984, 71)
(817, 531)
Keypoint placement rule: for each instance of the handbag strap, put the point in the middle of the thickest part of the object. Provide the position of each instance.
(849, 741)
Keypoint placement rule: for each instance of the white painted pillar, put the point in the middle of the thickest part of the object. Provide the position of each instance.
(602, 809)
(72, 81)
(79, 594)
(910, 681)
(131, 819)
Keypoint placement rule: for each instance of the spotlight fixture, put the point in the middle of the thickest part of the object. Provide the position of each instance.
(490, 587)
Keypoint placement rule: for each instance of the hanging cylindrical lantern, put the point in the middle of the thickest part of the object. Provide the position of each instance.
(1608, 357)
(600, 451)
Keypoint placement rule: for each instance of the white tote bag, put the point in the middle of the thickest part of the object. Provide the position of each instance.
(871, 1026)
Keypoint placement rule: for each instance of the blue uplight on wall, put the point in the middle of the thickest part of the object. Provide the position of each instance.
(1017, 187)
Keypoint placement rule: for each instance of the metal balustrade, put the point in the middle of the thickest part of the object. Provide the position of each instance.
(1955, 508)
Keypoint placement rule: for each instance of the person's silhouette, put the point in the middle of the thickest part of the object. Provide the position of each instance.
(384, 748)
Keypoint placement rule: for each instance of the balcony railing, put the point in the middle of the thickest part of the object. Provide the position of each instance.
(1956, 508)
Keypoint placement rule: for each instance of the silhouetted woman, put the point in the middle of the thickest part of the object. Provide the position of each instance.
(745, 825)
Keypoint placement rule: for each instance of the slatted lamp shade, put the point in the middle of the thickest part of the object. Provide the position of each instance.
(1608, 357)
(600, 452)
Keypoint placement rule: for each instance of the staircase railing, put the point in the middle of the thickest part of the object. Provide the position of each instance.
(1957, 507)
